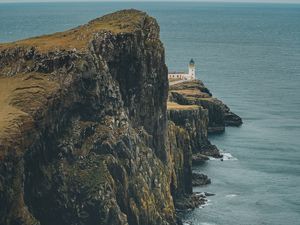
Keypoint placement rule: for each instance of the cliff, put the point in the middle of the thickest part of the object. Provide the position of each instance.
(195, 93)
(83, 127)
(192, 107)
(192, 114)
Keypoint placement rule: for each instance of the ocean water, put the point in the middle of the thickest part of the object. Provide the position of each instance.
(249, 56)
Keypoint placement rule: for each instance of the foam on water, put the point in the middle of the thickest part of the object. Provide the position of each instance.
(205, 223)
(230, 196)
(226, 156)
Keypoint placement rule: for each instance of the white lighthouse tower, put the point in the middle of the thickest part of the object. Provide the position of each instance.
(185, 76)
(192, 70)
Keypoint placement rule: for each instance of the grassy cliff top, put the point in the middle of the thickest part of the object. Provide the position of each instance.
(191, 89)
(20, 97)
(189, 84)
(176, 106)
(119, 22)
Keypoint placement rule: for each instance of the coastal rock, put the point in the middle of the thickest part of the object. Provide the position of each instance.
(180, 150)
(195, 93)
(190, 201)
(194, 118)
(207, 194)
(199, 158)
(199, 179)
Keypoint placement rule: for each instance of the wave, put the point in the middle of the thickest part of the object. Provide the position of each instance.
(230, 196)
(205, 223)
(226, 156)
(207, 203)
(202, 223)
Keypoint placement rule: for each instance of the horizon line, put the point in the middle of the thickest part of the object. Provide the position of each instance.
(200, 1)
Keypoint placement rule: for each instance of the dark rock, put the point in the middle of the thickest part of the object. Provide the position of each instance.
(211, 150)
(207, 194)
(199, 158)
(190, 201)
(231, 119)
(180, 149)
(199, 179)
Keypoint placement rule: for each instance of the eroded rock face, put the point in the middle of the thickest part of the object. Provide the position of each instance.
(89, 145)
(195, 93)
(195, 122)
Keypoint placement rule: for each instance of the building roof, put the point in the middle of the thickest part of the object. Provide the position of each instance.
(192, 62)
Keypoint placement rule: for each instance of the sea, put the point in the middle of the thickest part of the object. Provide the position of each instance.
(248, 55)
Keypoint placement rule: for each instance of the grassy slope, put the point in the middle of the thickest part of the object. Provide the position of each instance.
(20, 97)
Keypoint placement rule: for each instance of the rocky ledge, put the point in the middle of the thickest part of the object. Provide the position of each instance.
(200, 179)
(195, 93)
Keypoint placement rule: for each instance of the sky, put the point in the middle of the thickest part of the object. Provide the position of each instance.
(262, 1)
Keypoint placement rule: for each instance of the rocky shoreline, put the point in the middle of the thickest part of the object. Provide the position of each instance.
(192, 107)
(91, 132)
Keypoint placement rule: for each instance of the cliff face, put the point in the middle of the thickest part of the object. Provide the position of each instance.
(193, 119)
(192, 107)
(83, 127)
(195, 93)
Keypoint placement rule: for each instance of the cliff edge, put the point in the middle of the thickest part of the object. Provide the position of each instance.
(195, 93)
(191, 106)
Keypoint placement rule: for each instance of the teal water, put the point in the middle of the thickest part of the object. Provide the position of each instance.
(249, 56)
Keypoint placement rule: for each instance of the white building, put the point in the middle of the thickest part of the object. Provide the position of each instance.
(185, 76)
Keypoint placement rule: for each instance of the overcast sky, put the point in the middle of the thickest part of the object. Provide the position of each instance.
(262, 1)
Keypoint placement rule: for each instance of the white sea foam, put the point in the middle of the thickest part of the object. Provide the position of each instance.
(230, 196)
(207, 203)
(226, 156)
(187, 223)
(200, 193)
(205, 223)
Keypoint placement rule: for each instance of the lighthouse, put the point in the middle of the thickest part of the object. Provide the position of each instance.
(191, 75)
(192, 72)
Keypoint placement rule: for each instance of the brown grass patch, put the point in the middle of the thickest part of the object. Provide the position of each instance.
(174, 79)
(175, 106)
(20, 97)
(195, 93)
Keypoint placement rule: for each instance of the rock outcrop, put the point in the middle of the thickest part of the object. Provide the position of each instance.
(195, 93)
(83, 127)
(193, 118)
(200, 179)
